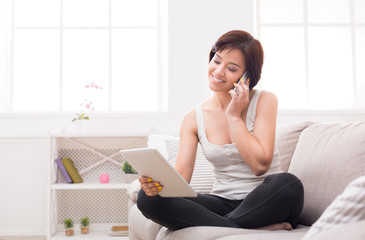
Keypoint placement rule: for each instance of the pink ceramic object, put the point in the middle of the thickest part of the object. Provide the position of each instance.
(104, 178)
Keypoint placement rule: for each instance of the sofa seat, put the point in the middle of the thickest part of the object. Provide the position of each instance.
(353, 231)
(212, 233)
(149, 229)
(141, 228)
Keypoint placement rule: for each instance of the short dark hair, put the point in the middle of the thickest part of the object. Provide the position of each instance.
(249, 46)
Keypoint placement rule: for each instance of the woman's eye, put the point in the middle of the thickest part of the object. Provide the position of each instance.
(231, 69)
(216, 61)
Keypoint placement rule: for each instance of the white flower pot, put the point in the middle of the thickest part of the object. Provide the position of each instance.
(129, 177)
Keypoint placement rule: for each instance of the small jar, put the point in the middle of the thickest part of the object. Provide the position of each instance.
(85, 230)
(69, 231)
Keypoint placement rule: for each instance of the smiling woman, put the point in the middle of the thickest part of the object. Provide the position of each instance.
(236, 132)
(253, 54)
(224, 67)
(57, 47)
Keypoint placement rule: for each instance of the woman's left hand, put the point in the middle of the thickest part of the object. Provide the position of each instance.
(240, 101)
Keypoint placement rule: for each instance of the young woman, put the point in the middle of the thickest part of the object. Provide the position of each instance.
(236, 130)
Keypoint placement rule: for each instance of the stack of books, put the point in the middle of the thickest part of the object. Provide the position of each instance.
(68, 170)
(119, 231)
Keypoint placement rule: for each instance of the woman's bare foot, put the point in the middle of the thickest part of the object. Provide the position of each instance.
(277, 226)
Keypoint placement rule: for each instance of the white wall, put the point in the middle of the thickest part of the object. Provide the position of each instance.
(193, 28)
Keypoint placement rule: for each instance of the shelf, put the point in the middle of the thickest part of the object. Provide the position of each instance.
(87, 135)
(105, 204)
(70, 186)
(93, 235)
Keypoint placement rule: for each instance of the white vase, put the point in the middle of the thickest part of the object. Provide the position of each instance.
(80, 126)
(130, 177)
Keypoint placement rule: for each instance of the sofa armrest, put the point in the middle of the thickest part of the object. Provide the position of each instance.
(132, 191)
(353, 231)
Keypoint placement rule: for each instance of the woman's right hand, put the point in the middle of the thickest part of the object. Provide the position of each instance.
(150, 187)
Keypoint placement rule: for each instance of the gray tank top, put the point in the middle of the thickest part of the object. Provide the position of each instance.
(233, 177)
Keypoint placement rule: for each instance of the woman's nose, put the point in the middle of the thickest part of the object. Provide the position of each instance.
(219, 70)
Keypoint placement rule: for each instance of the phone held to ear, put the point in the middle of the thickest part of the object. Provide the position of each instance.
(244, 78)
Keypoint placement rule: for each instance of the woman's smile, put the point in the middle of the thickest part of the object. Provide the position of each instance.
(217, 79)
(225, 68)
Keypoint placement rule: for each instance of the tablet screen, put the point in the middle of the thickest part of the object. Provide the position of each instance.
(149, 162)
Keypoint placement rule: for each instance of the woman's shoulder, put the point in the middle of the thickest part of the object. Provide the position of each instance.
(190, 117)
(267, 102)
(191, 114)
(266, 97)
(189, 120)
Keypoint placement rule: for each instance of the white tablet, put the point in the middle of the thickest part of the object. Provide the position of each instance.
(150, 163)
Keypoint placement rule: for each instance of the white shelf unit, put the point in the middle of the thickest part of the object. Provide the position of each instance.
(105, 204)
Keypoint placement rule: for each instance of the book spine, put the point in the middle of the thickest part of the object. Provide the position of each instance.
(63, 170)
(72, 170)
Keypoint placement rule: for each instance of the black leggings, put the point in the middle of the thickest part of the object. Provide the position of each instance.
(278, 199)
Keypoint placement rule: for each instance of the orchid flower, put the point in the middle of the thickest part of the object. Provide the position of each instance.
(87, 104)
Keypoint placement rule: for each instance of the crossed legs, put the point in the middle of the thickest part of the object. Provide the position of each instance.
(275, 204)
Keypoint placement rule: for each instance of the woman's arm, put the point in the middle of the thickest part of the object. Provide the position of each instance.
(257, 149)
(185, 160)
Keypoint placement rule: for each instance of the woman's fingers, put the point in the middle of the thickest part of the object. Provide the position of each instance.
(248, 83)
(144, 179)
(150, 187)
(245, 84)
(241, 88)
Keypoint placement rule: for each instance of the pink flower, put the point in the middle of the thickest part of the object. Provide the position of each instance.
(87, 105)
(93, 85)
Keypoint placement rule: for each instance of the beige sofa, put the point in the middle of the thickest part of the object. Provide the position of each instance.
(325, 156)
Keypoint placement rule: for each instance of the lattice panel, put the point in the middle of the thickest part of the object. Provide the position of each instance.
(101, 206)
(83, 158)
(101, 142)
(93, 156)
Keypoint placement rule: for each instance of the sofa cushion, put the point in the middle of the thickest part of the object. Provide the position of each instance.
(132, 190)
(202, 233)
(327, 157)
(348, 207)
(202, 180)
(213, 233)
(287, 137)
(158, 141)
(353, 231)
(140, 227)
(268, 235)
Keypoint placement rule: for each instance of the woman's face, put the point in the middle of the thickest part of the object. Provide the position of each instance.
(225, 68)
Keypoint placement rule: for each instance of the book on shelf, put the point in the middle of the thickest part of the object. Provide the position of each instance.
(72, 170)
(119, 231)
(63, 171)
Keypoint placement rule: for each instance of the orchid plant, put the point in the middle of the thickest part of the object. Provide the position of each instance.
(87, 105)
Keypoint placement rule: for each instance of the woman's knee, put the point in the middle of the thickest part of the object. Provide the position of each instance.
(288, 184)
(145, 203)
(283, 177)
(294, 189)
(142, 200)
(295, 183)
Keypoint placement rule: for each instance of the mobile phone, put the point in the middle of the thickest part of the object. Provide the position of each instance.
(244, 77)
